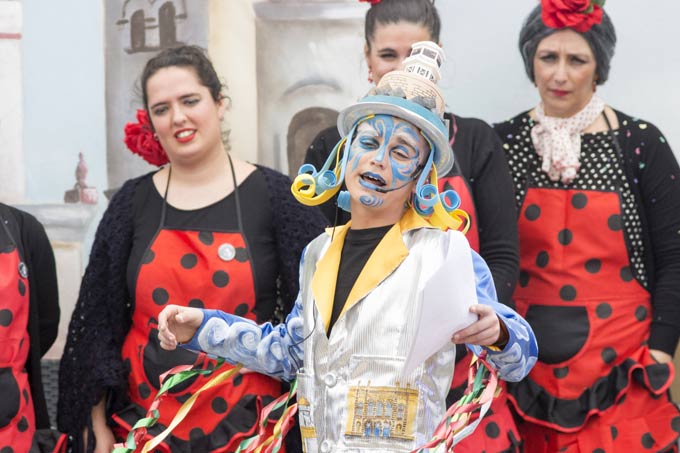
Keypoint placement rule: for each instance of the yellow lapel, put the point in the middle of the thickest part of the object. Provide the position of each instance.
(386, 257)
(326, 274)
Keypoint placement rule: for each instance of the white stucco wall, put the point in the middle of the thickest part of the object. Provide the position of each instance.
(11, 148)
(63, 77)
(484, 75)
(64, 114)
(232, 49)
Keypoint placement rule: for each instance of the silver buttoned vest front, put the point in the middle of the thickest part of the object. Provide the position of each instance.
(351, 392)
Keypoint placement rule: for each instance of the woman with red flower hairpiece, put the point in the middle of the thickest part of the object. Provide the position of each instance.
(598, 194)
(141, 140)
(206, 230)
(479, 176)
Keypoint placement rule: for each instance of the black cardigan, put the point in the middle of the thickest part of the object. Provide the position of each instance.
(92, 366)
(654, 177)
(43, 322)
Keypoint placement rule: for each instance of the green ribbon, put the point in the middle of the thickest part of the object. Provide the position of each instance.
(176, 377)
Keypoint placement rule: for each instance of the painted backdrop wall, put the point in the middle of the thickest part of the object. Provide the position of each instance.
(484, 76)
(63, 76)
(63, 79)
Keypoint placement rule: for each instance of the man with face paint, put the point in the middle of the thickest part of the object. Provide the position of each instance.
(354, 321)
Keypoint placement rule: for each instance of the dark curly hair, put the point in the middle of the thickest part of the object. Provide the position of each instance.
(186, 57)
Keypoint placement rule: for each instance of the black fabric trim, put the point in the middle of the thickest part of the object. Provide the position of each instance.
(534, 402)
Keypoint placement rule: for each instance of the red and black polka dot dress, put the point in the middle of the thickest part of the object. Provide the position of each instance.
(216, 257)
(497, 431)
(17, 419)
(583, 288)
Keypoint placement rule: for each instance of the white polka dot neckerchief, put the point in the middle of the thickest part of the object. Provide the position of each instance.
(558, 140)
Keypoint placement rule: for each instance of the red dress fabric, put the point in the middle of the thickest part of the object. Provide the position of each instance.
(497, 432)
(592, 320)
(206, 270)
(17, 419)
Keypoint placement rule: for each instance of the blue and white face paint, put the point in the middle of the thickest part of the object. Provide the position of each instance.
(388, 159)
(385, 156)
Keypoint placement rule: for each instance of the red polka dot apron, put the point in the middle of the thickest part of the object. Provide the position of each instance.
(596, 387)
(204, 269)
(17, 420)
(497, 432)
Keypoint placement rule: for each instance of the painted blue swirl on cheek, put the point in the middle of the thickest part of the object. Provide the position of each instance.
(371, 201)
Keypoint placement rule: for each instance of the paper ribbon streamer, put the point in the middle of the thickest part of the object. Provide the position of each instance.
(446, 214)
(459, 421)
(441, 210)
(177, 375)
(272, 444)
(462, 417)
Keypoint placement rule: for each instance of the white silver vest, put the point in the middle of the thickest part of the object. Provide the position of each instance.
(351, 395)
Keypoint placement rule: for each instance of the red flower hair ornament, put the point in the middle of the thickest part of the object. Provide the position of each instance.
(141, 140)
(579, 15)
(372, 2)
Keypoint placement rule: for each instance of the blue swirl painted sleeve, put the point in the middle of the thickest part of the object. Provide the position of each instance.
(277, 350)
(271, 350)
(519, 356)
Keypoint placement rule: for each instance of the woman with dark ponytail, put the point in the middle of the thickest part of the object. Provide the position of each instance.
(479, 176)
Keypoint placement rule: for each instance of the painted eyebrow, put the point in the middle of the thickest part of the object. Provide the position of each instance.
(553, 52)
(409, 139)
(158, 104)
(368, 130)
(406, 141)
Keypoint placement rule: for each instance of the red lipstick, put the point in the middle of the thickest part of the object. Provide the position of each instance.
(185, 135)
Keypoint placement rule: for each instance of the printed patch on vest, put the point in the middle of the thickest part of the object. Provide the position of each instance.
(306, 421)
(382, 412)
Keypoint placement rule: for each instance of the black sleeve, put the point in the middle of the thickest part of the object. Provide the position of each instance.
(660, 192)
(91, 366)
(42, 280)
(317, 153)
(295, 226)
(43, 321)
(494, 200)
